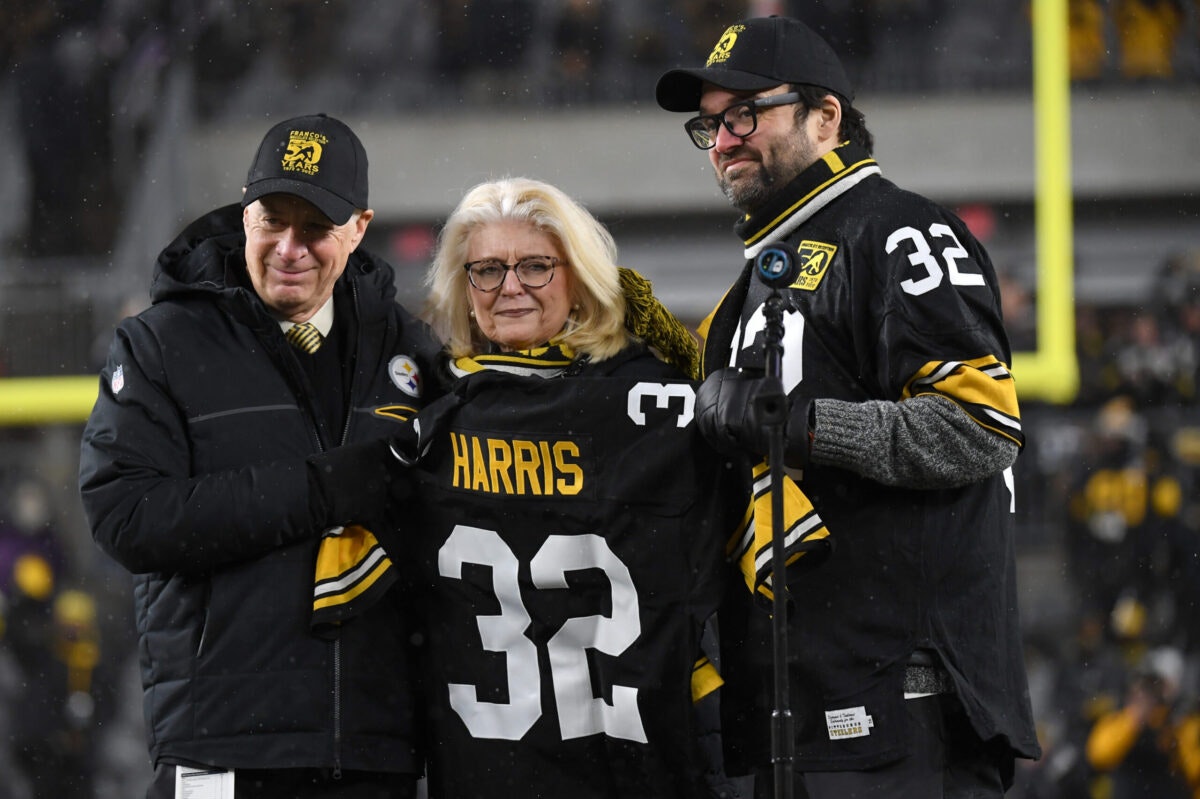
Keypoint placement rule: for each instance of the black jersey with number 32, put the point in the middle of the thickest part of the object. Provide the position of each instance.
(570, 539)
(895, 301)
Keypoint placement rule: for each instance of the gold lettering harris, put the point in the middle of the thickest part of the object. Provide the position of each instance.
(517, 466)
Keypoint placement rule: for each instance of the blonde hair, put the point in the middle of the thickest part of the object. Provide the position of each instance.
(597, 324)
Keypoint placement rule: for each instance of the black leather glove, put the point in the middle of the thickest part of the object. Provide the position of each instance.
(412, 440)
(735, 406)
(359, 483)
(353, 483)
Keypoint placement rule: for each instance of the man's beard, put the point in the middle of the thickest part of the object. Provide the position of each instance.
(749, 192)
(759, 182)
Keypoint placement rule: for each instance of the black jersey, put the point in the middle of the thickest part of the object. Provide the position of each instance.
(570, 549)
(895, 299)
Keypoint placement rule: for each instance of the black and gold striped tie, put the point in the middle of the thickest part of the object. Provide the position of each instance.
(304, 337)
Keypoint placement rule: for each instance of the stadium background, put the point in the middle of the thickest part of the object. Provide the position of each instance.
(124, 120)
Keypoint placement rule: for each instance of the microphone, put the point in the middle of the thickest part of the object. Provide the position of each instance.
(778, 265)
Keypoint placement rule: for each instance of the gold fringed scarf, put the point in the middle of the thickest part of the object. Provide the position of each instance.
(805, 535)
(649, 320)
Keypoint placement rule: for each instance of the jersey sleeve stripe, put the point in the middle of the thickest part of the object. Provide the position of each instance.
(352, 572)
(983, 387)
(805, 534)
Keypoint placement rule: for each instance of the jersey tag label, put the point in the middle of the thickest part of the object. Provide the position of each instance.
(850, 722)
(197, 783)
(815, 257)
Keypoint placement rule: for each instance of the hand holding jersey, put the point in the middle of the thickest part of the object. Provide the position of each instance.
(354, 483)
(730, 416)
(363, 483)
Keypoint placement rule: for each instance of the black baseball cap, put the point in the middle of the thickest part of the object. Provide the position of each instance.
(755, 54)
(317, 158)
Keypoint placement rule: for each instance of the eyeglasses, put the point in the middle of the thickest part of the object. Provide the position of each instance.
(533, 272)
(740, 119)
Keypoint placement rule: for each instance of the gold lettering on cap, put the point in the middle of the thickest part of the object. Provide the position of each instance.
(724, 46)
(303, 152)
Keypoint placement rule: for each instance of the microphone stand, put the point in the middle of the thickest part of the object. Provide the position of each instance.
(776, 267)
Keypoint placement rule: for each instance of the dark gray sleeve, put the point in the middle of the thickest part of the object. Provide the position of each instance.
(924, 442)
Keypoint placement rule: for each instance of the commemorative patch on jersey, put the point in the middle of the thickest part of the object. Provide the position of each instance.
(405, 375)
(815, 257)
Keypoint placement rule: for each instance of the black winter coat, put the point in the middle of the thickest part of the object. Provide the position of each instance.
(193, 477)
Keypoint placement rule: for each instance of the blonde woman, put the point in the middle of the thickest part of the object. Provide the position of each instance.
(524, 268)
(570, 544)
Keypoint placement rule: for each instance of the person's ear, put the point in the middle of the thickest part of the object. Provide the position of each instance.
(830, 111)
(360, 226)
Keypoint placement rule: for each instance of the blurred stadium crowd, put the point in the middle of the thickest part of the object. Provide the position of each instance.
(84, 77)
(1109, 486)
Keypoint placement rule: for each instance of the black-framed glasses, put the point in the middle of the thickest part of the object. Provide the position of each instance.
(533, 271)
(740, 119)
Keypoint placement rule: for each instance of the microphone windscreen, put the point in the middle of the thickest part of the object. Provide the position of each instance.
(777, 265)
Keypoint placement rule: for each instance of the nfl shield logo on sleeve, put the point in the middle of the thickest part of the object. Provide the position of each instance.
(118, 380)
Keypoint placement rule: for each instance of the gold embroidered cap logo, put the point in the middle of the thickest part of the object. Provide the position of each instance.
(815, 257)
(724, 45)
(304, 152)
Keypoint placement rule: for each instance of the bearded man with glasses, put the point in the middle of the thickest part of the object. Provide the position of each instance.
(902, 427)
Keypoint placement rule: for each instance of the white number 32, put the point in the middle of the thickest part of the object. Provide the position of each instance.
(579, 712)
(922, 255)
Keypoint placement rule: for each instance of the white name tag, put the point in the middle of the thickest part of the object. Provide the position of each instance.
(196, 783)
(850, 722)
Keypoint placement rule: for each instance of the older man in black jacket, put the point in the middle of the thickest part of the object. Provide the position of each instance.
(242, 416)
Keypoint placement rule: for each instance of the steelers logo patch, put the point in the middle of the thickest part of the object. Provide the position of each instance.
(405, 375)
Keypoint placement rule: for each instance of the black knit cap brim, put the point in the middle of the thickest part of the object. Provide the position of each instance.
(753, 55)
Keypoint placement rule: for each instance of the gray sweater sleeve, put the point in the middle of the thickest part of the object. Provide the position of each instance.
(924, 442)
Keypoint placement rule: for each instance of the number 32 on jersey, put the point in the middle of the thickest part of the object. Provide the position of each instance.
(579, 713)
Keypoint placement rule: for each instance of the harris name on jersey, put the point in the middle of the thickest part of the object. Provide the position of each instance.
(526, 467)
